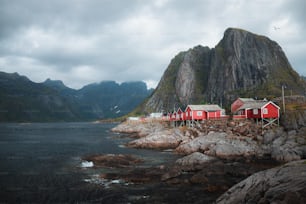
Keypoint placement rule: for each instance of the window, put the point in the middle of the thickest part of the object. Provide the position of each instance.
(199, 113)
(187, 113)
(255, 111)
(265, 111)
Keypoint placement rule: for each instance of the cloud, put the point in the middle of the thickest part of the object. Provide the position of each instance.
(82, 42)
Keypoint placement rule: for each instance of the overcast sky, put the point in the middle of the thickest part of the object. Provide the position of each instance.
(87, 41)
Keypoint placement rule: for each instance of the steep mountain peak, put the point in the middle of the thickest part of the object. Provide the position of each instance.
(242, 64)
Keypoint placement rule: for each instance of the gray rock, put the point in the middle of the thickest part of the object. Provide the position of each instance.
(141, 128)
(194, 161)
(221, 145)
(166, 139)
(284, 184)
(269, 137)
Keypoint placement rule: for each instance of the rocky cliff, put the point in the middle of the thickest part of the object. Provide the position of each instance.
(241, 64)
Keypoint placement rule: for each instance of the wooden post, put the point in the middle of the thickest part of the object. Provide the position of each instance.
(283, 97)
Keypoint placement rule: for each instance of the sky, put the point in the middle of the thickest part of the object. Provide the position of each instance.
(88, 41)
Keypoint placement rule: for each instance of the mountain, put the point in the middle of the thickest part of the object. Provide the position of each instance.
(25, 101)
(242, 64)
(109, 99)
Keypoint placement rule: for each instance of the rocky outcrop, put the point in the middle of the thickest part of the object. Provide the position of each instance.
(242, 64)
(194, 161)
(220, 139)
(112, 160)
(221, 145)
(166, 139)
(285, 146)
(141, 129)
(284, 184)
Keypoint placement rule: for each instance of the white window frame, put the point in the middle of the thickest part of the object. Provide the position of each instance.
(255, 111)
(265, 111)
(199, 113)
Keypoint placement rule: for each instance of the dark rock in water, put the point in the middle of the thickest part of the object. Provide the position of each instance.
(113, 160)
(284, 184)
(136, 175)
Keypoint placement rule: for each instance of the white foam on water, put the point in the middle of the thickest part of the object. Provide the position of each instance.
(117, 181)
(106, 183)
(87, 164)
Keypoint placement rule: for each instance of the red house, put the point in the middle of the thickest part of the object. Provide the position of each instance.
(259, 109)
(179, 114)
(267, 111)
(239, 102)
(172, 116)
(202, 112)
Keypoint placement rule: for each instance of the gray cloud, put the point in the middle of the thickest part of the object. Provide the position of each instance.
(82, 42)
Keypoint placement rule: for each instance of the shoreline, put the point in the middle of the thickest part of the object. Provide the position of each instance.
(231, 151)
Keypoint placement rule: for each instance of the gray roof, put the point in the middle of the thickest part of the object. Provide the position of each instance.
(247, 99)
(205, 107)
(255, 105)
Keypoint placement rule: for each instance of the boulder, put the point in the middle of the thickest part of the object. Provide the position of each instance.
(166, 139)
(289, 146)
(139, 127)
(193, 161)
(201, 143)
(221, 145)
(283, 184)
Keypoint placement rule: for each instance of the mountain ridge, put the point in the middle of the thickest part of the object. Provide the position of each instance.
(25, 101)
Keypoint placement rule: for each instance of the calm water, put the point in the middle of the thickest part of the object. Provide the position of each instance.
(41, 163)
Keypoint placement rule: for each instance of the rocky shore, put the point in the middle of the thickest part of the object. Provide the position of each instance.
(284, 184)
(219, 154)
(221, 139)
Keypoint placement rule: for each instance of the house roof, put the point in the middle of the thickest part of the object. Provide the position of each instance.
(247, 99)
(255, 105)
(205, 107)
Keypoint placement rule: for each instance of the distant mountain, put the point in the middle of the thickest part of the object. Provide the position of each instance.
(242, 64)
(24, 100)
(109, 99)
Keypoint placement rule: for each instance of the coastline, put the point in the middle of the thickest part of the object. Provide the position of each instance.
(236, 149)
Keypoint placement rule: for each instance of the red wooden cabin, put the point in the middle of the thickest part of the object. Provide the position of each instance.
(179, 114)
(202, 112)
(259, 109)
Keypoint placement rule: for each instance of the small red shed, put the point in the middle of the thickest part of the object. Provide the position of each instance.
(173, 116)
(179, 114)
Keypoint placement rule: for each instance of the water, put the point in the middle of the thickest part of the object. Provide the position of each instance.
(41, 163)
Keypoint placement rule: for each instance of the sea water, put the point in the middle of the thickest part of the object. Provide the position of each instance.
(42, 163)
